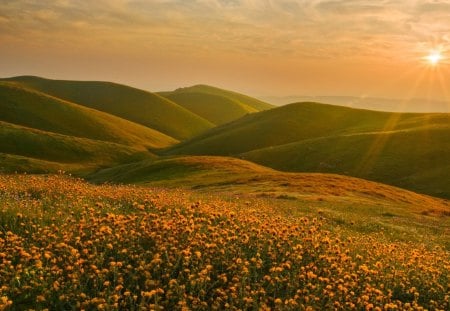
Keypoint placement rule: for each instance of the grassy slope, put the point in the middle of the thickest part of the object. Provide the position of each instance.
(214, 108)
(242, 99)
(408, 150)
(11, 163)
(226, 173)
(126, 102)
(284, 125)
(417, 159)
(34, 109)
(356, 204)
(38, 151)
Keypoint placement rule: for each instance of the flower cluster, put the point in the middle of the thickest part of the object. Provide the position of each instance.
(66, 244)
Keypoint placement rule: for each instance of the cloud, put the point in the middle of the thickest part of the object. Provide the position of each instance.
(308, 28)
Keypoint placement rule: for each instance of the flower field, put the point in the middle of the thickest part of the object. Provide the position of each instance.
(69, 245)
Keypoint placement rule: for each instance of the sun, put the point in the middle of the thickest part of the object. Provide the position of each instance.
(434, 58)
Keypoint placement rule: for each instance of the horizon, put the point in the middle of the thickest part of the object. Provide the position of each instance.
(260, 48)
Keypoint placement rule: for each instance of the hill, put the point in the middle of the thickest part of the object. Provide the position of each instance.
(284, 125)
(243, 100)
(37, 151)
(30, 108)
(145, 108)
(414, 158)
(216, 109)
(403, 149)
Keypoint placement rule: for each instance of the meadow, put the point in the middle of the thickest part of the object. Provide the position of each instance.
(66, 244)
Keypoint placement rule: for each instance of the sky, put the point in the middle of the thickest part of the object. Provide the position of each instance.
(258, 47)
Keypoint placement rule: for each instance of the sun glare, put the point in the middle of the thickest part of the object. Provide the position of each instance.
(434, 58)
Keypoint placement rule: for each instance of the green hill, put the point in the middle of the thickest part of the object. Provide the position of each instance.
(238, 98)
(32, 150)
(404, 149)
(129, 103)
(214, 108)
(415, 158)
(33, 109)
(284, 125)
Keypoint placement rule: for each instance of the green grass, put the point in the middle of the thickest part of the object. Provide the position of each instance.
(242, 99)
(350, 204)
(404, 149)
(416, 159)
(292, 123)
(30, 150)
(214, 108)
(145, 108)
(34, 109)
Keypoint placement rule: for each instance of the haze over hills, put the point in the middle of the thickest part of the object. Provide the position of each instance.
(367, 102)
(49, 123)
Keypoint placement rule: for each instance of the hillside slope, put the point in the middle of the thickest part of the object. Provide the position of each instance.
(404, 149)
(129, 103)
(242, 99)
(30, 108)
(287, 124)
(415, 158)
(216, 109)
(228, 175)
(31, 150)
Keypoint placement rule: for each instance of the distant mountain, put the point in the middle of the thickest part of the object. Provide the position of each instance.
(372, 103)
(404, 149)
(145, 108)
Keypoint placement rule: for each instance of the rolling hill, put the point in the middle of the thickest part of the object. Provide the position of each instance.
(244, 100)
(216, 109)
(145, 108)
(35, 151)
(284, 125)
(403, 149)
(416, 158)
(33, 109)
